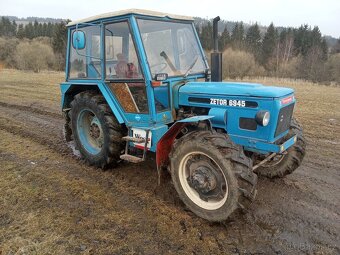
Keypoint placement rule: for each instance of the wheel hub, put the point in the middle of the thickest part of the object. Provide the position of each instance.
(90, 131)
(205, 180)
(94, 131)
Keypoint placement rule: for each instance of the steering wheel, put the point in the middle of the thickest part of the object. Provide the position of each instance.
(162, 65)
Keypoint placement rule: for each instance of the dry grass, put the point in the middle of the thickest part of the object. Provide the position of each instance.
(27, 88)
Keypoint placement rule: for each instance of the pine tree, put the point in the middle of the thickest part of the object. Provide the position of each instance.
(59, 41)
(224, 39)
(7, 28)
(44, 29)
(302, 40)
(207, 35)
(269, 44)
(40, 30)
(14, 28)
(21, 31)
(50, 29)
(29, 31)
(324, 49)
(253, 40)
(237, 36)
(315, 37)
(35, 29)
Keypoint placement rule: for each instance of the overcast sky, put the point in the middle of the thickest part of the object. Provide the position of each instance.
(324, 13)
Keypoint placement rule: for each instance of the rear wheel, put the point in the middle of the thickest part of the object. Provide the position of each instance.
(97, 133)
(284, 164)
(212, 175)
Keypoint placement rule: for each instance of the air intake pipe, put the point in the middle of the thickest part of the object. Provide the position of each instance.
(216, 56)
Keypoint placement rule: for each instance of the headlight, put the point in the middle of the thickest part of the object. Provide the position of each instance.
(262, 118)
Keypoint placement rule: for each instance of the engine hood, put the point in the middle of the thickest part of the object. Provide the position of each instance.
(234, 89)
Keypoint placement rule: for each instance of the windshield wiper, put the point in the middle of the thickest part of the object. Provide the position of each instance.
(167, 59)
(191, 67)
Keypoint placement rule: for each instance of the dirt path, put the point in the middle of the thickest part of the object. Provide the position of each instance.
(52, 203)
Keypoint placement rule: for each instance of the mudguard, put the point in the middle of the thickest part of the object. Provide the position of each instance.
(69, 90)
(164, 145)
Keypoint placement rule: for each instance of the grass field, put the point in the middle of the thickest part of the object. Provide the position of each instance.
(51, 203)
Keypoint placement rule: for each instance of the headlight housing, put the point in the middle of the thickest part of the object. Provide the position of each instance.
(262, 118)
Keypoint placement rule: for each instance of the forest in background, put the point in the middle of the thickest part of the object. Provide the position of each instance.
(248, 50)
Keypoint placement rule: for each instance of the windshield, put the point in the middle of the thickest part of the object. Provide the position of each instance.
(171, 47)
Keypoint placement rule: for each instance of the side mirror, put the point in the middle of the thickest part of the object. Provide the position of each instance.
(78, 40)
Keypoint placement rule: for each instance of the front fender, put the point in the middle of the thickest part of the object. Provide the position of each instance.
(164, 144)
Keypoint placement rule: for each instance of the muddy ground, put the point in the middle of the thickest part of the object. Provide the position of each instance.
(51, 203)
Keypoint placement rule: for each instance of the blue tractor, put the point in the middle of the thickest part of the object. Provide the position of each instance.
(138, 81)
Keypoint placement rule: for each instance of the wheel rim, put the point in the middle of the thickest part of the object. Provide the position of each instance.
(90, 131)
(203, 181)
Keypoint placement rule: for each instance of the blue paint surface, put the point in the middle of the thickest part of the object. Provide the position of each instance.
(235, 89)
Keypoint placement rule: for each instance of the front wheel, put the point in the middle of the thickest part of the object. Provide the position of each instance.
(284, 164)
(212, 175)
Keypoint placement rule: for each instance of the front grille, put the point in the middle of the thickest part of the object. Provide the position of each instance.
(283, 122)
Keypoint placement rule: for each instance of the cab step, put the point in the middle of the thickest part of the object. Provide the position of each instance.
(133, 139)
(131, 158)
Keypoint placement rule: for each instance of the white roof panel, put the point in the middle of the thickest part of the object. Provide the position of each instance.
(130, 11)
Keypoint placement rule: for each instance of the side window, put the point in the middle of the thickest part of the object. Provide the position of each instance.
(85, 62)
(121, 58)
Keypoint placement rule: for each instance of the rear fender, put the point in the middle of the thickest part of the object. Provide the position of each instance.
(68, 91)
(164, 145)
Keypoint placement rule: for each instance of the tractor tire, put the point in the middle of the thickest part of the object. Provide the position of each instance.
(285, 164)
(212, 175)
(96, 132)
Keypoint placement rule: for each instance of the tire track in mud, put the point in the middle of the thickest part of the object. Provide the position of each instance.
(43, 127)
(31, 109)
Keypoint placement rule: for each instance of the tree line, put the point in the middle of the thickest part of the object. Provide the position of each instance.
(31, 30)
(55, 35)
(248, 50)
(277, 50)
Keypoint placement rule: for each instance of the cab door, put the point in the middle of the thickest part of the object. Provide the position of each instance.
(123, 73)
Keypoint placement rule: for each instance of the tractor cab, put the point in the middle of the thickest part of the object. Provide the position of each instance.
(141, 79)
(138, 54)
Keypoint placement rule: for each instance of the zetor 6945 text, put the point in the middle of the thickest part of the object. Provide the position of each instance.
(138, 82)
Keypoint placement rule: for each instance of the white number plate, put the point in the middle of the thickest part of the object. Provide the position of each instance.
(226, 102)
(140, 133)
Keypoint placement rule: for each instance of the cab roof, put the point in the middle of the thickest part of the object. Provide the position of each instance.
(127, 12)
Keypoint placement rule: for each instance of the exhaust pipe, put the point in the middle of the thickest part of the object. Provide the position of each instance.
(215, 32)
(216, 56)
